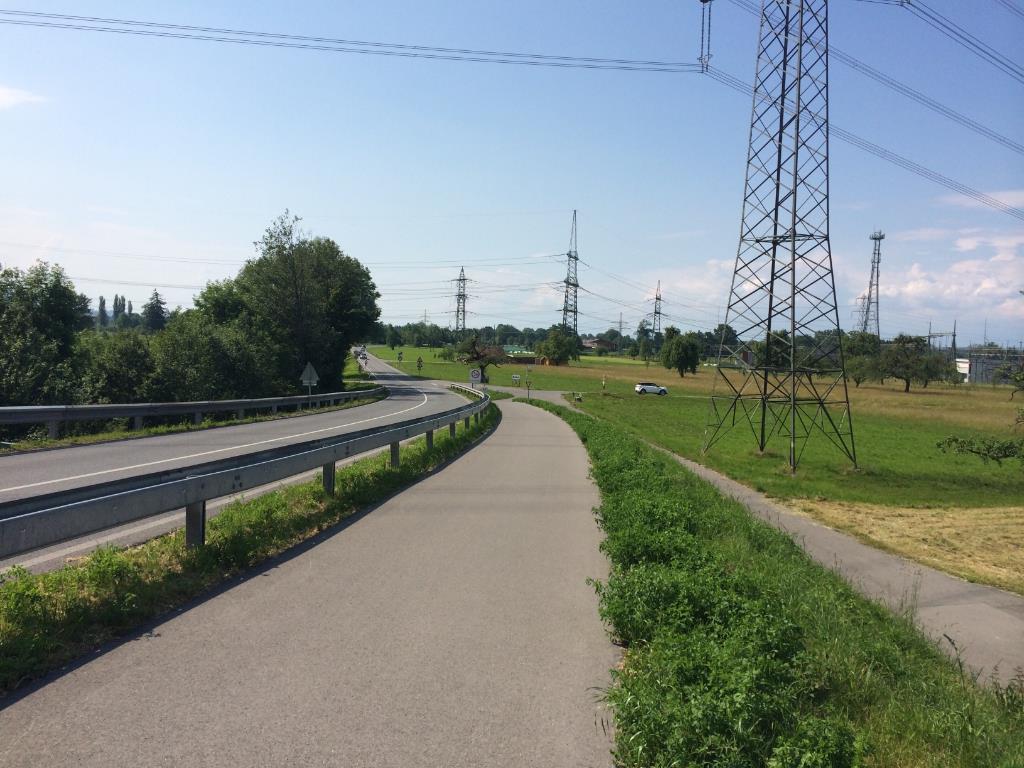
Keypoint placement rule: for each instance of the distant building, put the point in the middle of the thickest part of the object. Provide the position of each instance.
(596, 344)
(515, 349)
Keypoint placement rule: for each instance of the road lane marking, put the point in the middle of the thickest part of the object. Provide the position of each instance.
(217, 450)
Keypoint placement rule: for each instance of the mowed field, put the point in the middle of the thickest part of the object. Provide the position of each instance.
(952, 512)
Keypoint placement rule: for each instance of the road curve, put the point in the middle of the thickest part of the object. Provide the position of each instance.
(451, 626)
(29, 474)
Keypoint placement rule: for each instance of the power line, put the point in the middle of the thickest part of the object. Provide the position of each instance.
(1012, 7)
(881, 152)
(907, 91)
(965, 39)
(327, 44)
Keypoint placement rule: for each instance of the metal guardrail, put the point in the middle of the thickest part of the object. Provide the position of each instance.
(40, 521)
(55, 415)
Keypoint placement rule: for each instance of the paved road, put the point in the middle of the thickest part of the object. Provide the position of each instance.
(452, 626)
(29, 474)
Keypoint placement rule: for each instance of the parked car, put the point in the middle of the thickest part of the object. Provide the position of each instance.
(647, 387)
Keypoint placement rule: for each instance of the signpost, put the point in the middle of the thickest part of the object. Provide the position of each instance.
(399, 356)
(309, 378)
(515, 379)
(474, 376)
(419, 363)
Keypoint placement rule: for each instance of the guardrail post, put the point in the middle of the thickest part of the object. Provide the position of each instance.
(329, 478)
(197, 418)
(395, 461)
(467, 422)
(195, 524)
(430, 439)
(240, 414)
(476, 417)
(273, 409)
(451, 429)
(53, 429)
(136, 422)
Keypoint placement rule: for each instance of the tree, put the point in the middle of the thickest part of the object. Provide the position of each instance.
(40, 316)
(860, 343)
(154, 312)
(645, 349)
(558, 347)
(394, 338)
(311, 299)
(903, 359)
(472, 353)
(196, 358)
(992, 448)
(682, 353)
(860, 368)
(114, 367)
(936, 367)
(118, 307)
(101, 316)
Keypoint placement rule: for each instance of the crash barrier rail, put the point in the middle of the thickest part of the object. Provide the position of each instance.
(56, 415)
(40, 521)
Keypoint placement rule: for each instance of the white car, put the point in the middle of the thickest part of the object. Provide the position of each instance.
(647, 387)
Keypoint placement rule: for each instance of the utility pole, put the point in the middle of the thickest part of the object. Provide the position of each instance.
(570, 310)
(785, 375)
(460, 301)
(954, 340)
(620, 333)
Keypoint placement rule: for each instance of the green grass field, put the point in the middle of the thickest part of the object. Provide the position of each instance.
(582, 376)
(951, 512)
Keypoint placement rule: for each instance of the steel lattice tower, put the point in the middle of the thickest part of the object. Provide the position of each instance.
(572, 285)
(783, 374)
(869, 308)
(460, 301)
(657, 310)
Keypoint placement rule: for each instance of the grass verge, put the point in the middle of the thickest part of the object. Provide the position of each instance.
(51, 618)
(740, 651)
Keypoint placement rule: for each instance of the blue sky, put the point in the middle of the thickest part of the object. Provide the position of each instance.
(128, 152)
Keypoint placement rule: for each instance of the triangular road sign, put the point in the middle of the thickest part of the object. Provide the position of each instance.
(309, 376)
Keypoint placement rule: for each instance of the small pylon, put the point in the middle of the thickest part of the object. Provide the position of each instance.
(570, 310)
(657, 310)
(869, 306)
(460, 301)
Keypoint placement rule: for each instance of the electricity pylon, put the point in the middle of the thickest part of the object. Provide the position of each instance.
(783, 371)
(460, 301)
(657, 310)
(869, 307)
(569, 307)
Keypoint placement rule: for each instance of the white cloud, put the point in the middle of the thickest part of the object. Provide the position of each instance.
(13, 97)
(986, 285)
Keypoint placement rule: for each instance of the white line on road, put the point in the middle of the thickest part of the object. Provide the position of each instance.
(216, 450)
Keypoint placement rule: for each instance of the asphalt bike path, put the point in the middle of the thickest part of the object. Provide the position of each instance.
(984, 625)
(450, 626)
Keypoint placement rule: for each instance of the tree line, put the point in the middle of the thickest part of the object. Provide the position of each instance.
(300, 299)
